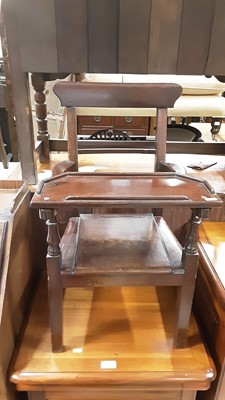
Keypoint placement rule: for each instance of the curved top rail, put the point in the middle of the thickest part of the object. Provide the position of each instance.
(130, 95)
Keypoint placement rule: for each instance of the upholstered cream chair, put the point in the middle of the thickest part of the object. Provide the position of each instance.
(201, 97)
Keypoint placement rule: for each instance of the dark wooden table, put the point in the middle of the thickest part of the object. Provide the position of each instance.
(54, 38)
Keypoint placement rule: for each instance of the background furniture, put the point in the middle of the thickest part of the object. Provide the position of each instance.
(3, 153)
(78, 36)
(18, 264)
(201, 97)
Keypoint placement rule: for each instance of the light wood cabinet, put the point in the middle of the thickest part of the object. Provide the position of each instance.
(133, 327)
(210, 301)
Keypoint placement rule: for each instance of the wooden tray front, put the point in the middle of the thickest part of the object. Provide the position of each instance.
(156, 190)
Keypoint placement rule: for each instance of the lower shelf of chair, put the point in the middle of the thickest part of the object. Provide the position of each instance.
(120, 250)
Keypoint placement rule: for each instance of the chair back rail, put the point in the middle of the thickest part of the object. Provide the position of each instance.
(130, 95)
(117, 95)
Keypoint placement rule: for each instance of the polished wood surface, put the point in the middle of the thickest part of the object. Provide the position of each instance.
(147, 95)
(18, 266)
(216, 176)
(89, 124)
(212, 246)
(156, 189)
(132, 327)
(209, 300)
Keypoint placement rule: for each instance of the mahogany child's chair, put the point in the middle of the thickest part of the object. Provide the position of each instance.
(121, 249)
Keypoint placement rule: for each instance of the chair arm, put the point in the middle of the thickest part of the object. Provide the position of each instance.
(171, 167)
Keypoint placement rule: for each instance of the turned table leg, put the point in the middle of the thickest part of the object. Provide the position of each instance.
(38, 84)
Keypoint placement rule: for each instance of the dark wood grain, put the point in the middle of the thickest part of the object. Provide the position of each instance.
(134, 250)
(17, 249)
(37, 34)
(134, 22)
(38, 84)
(164, 36)
(72, 136)
(216, 62)
(160, 96)
(91, 146)
(161, 132)
(164, 189)
(195, 36)
(22, 108)
(72, 35)
(121, 36)
(157, 95)
(122, 250)
(103, 22)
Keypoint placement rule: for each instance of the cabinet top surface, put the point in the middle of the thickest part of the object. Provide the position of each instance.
(158, 189)
(211, 248)
(114, 337)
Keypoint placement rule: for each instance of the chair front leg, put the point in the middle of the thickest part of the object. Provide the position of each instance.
(190, 261)
(55, 291)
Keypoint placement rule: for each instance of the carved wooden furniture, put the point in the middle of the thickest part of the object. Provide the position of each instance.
(114, 250)
(106, 250)
(119, 345)
(210, 300)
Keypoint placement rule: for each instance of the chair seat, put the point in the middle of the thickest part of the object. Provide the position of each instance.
(108, 246)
